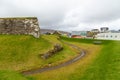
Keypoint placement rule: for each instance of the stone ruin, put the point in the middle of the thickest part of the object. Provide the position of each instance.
(20, 25)
(57, 48)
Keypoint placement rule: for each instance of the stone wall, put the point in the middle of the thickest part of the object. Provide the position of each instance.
(21, 25)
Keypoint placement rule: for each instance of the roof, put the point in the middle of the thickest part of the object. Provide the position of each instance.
(114, 31)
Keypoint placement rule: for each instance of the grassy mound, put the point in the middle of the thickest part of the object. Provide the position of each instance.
(22, 52)
(100, 63)
(107, 65)
(77, 68)
(18, 52)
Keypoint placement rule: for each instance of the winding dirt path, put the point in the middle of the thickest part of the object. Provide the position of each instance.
(40, 70)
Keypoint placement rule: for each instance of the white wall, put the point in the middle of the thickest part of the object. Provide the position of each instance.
(108, 36)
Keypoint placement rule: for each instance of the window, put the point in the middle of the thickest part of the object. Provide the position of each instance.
(116, 36)
(111, 35)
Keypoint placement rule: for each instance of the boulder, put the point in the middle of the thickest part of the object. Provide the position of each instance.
(56, 49)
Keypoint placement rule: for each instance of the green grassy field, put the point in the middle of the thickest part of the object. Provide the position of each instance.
(107, 65)
(102, 62)
(80, 66)
(11, 75)
(21, 52)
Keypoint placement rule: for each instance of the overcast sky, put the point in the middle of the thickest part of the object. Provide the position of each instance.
(66, 15)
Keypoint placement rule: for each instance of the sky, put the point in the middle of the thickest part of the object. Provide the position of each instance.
(66, 15)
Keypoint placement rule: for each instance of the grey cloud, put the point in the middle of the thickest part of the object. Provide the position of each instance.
(96, 11)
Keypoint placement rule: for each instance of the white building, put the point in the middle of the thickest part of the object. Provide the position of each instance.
(108, 36)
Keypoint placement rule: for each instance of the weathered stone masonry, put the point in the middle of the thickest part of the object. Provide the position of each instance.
(20, 26)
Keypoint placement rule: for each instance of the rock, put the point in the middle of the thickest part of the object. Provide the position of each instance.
(56, 49)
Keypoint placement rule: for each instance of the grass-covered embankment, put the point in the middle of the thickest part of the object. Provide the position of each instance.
(77, 68)
(22, 52)
(19, 52)
(107, 65)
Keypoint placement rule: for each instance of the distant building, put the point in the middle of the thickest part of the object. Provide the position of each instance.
(79, 34)
(108, 36)
(90, 34)
(114, 31)
(104, 29)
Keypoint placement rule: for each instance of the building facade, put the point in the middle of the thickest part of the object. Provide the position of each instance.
(79, 34)
(108, 36)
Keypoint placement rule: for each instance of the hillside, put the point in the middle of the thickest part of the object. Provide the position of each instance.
(51, 31)
(22, 52)
(19, 52)
(100, 63)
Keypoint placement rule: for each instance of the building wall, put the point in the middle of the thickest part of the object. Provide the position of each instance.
(81, 33)
(28, 26)
(108, 36)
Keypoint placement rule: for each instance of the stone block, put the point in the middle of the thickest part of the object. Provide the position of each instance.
(20, 25)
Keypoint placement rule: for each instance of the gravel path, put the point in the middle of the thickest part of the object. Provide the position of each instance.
(40, 70)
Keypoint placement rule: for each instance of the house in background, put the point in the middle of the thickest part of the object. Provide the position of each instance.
(108, 36)
(103, 33)
(91, 34)
(78, 34)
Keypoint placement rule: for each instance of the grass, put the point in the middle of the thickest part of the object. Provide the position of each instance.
(86, 41)
(107, 65)
(18, 52)
(52, 39)
(22, 52)
(66, 54)
(102, 62)
(12, 75)
(77, 68)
